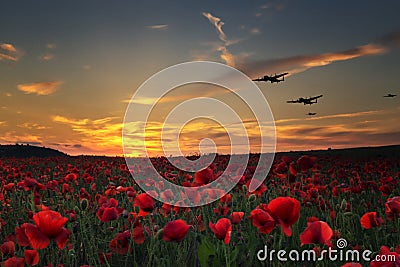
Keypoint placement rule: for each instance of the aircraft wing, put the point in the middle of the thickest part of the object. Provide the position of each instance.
(293, 101)
(258, 80)
(280, 75)
(315, 97)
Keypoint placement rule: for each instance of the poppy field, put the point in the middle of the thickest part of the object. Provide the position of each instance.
(88, 211)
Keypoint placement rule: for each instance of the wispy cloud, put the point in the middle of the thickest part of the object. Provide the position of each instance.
(51, 46)
(47, 57)
(158, 26)
(9, 52)
(274, 6)
(174, 98)
(333, 116)
(255, 31)
(39, 88)
(218, 23)
(33, 126)
(270, 6)
(225, 55)
(300, 63)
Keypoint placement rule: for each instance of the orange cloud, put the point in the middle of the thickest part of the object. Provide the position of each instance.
(14, 137)
(9, 52)
(333, 116)
(226, 56)
(39, 88)
(100, 135)
(8, 47)
(177, 97)
(33, 126)
(302, 63)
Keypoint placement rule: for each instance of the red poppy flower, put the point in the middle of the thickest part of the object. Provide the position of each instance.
(138, 234)
(221, 210)
(175, 230)
(285, 211)
(49, 224)
(262, 220)
(385, 251)
(316, 233)
(222, 229)
(292, 169)
(120, 244)
(236, 217)
(107, 214)
(392, 207)
(145, 202)
(13, 262)
(203, 176)
(31, 257)
(306, 162)
(227, 199)
(369, 220)
(108, 210)
(22, 239)
(7, 248)
(385, 189)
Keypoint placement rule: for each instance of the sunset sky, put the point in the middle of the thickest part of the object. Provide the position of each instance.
(68, 69)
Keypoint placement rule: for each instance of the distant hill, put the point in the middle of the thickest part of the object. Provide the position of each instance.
(392, 151)
(28, 151)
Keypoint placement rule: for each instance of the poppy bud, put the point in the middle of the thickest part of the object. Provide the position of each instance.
(84, 203)
(252, 198)
(349, 213)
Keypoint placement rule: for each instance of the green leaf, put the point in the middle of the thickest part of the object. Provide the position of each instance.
(206, 253)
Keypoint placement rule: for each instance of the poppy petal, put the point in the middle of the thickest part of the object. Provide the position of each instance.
(36, 238)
